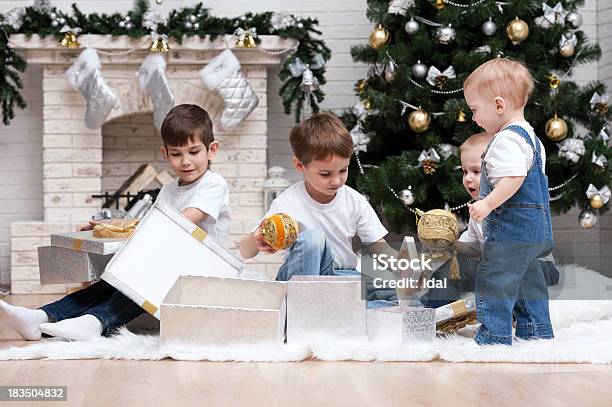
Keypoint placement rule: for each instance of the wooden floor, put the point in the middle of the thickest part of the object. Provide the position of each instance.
(313, 383)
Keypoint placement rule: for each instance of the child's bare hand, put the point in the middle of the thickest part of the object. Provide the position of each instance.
(88, 226)
(262, 245)
(479, 210)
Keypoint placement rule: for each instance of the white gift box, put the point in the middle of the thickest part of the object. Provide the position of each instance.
(75, 257)
(165, 245)
(324, 306)
(202, 310)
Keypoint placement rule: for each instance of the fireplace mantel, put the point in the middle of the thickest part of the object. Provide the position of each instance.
(193, 50)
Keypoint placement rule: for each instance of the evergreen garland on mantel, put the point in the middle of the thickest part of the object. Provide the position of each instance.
(37, 20)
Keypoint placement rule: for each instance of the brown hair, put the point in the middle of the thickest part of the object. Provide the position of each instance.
(320, 137)
(186, 122)
(503, 77)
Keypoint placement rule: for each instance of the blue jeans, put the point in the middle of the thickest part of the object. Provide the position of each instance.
(101, 300)
(510, 281)
(311, 254)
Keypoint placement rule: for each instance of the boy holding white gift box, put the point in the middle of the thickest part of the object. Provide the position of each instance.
(200, 194)
(329, 213)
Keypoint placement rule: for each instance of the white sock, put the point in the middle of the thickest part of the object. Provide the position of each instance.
(23, 320)
(78, 329)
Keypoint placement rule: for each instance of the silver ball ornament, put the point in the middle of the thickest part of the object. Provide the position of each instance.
(188, 25)
(489, 28)
(128, 26)
(62, 20)
(406, 196)
(445, 35)
(159, 1)
(121, 24)
(196, 26)
(128, 19)
(300, 25)
(192, 18)
(54, 23)
(411, 27)
(53, 16)
(573, 19)
(587, 219)
(419, 70)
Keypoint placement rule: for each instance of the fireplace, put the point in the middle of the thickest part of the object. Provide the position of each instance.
(79, 162)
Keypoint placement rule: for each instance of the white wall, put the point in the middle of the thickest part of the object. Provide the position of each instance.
(343, 23)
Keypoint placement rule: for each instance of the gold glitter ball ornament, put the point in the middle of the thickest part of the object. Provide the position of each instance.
(280, 230)
(438, 230)
(556, 128)
(517, 31)
(379, 37)
(419, 120)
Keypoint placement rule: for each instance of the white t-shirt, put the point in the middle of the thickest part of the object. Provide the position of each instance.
(510, 155)
(473, 235)
(209, 194)
(347, 215)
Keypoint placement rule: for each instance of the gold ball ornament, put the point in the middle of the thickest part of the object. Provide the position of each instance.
(517, 31)
(419, 120)
(279, 230)
(556, 128)
(438, 230)
(379, 37)
(596, 202)
(567, 50)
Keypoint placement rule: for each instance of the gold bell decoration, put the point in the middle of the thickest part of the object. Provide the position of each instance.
(517, 31)
(361, 86)
(438, 230)
(461, 116)
(246, 38)
(553, 81)
(556, 128)
(439, 4)
(70, 37)
(279, 230)
(379, 37)
(419, 120)
(160, 43)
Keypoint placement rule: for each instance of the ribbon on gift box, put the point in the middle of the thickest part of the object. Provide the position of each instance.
(116, 228)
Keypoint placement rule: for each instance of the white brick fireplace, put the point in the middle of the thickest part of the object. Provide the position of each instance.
(79, 162)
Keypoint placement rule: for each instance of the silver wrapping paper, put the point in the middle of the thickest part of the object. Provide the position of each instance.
(86, 242)
(418, 324)
(58, 265)
(456, 309)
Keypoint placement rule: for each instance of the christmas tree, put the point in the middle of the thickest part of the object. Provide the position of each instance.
(412, 115)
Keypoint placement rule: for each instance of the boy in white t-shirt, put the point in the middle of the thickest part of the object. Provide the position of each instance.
(514, 207)
(329, 213)
(200, 194)
(471, 241)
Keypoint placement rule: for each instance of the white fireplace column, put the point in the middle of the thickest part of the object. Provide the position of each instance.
(73, 154)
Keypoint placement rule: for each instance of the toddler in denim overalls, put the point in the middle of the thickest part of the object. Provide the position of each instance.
(513, 206)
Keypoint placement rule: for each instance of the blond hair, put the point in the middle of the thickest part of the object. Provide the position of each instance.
(320, 137)
(476, 141)
(503, 77)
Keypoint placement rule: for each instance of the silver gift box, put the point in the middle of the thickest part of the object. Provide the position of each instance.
(457, 309)
(201, 310)
(321, 307)
(86, 242)
(58, 265)
(405, 324)
(76, 257)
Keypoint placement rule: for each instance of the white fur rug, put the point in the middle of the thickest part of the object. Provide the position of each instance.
(583, 334)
